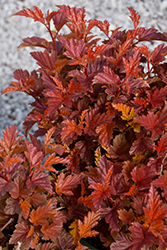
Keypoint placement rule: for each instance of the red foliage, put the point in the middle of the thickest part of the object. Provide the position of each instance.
(100, 177)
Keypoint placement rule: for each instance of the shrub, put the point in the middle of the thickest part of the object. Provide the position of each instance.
(99, 180)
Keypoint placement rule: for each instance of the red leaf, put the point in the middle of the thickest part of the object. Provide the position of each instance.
(64, 240)
(5, 186)
(161, 182)
(105, 133)
(120, 147)
(44, 246)
(111, 214)
(34, 157)
(150, 34)
(123, 242)
(40, 179)
(20, 233)
(108, 77)
(101, 193)
(162, 145)
(35, 42)
(94, 119)
(70, 130)
(76, 49)
(59, 20)
(143, 176)
(157, 97)
(150, 122)
(51, 231)
(37, 14)
(132, 64)
(12, 206)
(141, 236)
(141, 144)
(157, 55)
(44, 59)
(19, 188)
(64, 185)
(37, 199)
(135, 17)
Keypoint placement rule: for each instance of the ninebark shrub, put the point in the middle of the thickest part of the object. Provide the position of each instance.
(99, 180)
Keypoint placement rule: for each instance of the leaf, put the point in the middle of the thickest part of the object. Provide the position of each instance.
(141, 144)
(34, 156)
(155, 213)
(120, 147)
(10, 140)
(64, 185)
(74, 230)
(108, 77)
(94, 119)
(45, 246)
(41, 214)
(105, 133)
(44, 59)
(76, 49)
(25, 207)
(126, 216)
(122, 242)
(161, 182)
(157, 55)
(162, 145)
(20, 233)
(37, 199)
(50, 161)
(35, 42)
(150, 122)
(50, 231)
(157, 97)
(90, 221)
(59, 20)
(111, 214)
(101, 193)
(64, 240)
(143, 176)
(150, 34)
(135, 17)
(12, 206)
(70, 130)
(127, 112)
(39, 179)
(141, 236)
(5, 186)
(132, 64)
(37, 14)
(19, 189)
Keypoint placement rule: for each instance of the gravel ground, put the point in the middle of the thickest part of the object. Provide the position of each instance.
(14, 106)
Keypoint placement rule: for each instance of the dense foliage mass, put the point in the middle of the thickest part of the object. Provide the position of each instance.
(99, 180)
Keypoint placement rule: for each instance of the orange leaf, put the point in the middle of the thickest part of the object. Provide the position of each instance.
(90, 221)
(25, 207)
(65, 184)
(126, 216)
(39, 216)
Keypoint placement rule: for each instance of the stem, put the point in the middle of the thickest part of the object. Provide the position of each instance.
(7, 223)
(53, 40)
